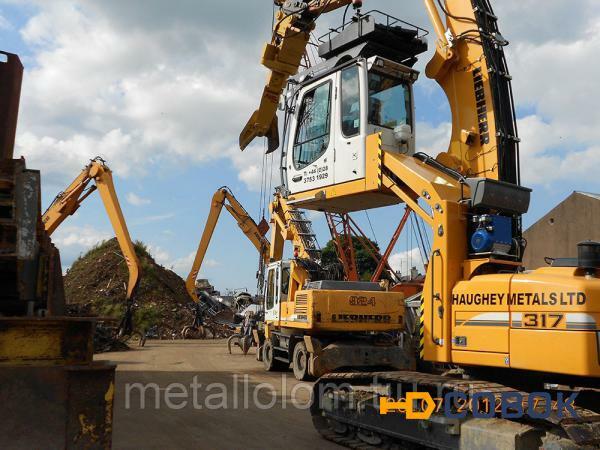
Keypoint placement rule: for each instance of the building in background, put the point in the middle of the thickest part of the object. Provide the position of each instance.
(557, 234)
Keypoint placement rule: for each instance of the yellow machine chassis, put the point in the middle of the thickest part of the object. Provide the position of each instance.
(523, 336)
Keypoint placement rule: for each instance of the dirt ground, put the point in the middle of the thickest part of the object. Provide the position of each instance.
(197, 396)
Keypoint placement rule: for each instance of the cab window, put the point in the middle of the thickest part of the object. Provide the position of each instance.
(285, 283)
(389, 101)
(270, 290)
(350, 102)
(312, 132)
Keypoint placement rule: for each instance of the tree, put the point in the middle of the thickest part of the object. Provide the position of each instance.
(365, 263)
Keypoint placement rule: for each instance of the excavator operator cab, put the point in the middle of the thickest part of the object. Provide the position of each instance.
(363, 87)
(276, 288)
(332, 116)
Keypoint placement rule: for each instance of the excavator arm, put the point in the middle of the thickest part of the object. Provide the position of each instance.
(68, 202)
(470, 67)
(282, 56)
(253, 231)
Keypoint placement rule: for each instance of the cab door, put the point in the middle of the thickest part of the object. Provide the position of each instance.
(272, 304)
(349, 129)
(311, 147)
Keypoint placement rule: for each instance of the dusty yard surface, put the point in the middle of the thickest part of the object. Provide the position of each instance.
(194, 395)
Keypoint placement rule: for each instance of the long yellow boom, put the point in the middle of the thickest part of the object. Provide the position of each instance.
(67, 202)
(223, 197)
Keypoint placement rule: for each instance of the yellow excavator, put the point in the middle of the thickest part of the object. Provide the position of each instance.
(482, 325)
(67, 202)
(291, 330)
(223, 197)
(316, 322)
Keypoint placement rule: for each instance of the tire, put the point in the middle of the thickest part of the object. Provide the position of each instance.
(271, 364)
(300, 362)
(189, 333)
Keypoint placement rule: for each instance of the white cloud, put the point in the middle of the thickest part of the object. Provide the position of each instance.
(560, 138)
(254, 168)
(557, 20)
(61, 159)
(5, 24)
(544, 161)
(433, 140)
(181, 266)
(80, 237)
(562, 94)
(136, 200)
(404, 261)
(160, 255)
(73, 241)
(138, 89)
(154, 218)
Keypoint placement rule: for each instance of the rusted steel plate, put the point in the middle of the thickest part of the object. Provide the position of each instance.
(57, 407)
(11, 76)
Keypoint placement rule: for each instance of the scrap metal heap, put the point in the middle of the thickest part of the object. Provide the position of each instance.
(52, 394)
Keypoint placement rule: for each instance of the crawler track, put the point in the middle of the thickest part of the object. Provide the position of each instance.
(346, 411)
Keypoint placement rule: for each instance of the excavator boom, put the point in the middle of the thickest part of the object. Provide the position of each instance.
(282, 56)
(67, 202)
(291, 224)
(223, 197)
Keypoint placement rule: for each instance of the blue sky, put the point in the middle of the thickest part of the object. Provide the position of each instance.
(162, 89)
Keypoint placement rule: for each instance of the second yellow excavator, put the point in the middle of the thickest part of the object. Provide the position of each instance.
(223, 197)
(316, 326)
(68, 202)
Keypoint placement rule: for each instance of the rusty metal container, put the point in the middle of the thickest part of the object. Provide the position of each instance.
(52, 394)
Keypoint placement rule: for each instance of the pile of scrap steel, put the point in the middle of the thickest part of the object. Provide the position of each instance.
(217, 316)
(212, 319)
(95, 285)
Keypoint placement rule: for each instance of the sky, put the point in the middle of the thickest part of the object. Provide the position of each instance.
(162, 89)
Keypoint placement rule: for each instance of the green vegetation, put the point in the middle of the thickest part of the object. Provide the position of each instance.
(96, 285)
(366, 265)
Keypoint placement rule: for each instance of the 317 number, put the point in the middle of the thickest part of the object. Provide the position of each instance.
(542, 320)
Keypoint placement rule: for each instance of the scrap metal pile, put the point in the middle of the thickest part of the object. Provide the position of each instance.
(95, 285)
